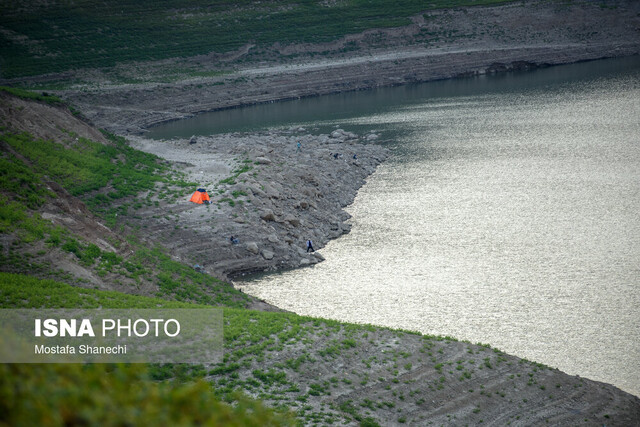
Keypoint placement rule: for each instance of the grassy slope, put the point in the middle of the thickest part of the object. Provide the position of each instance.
(250, 337)
(107, 178)
(101, 175)
(52, 37)
(327, 372)
(98, 394)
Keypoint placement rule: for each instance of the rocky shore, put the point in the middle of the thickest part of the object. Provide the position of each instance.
(268, 192)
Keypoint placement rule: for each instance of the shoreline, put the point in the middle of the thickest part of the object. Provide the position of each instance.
(265, 191)
(440, 44)
(188, 99)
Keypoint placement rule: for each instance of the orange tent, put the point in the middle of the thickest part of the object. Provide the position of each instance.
(200, 196)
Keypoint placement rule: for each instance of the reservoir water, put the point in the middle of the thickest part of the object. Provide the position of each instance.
(509, 214)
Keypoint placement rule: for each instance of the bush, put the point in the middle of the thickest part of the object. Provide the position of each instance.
(116, 395)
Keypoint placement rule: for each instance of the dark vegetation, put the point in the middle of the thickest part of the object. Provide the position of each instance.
(26, 94)
(117, 395)
(46, 37)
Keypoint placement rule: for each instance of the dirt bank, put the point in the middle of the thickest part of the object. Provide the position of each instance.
(267, 192)
(395, 378)
(437, 45)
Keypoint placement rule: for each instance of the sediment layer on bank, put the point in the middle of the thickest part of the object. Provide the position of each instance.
(439, 44)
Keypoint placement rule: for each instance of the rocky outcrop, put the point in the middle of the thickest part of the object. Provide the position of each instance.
(271, 208)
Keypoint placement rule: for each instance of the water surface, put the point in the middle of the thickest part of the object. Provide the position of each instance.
(508, 215)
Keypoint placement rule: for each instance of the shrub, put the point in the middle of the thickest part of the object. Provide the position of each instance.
(100, 394)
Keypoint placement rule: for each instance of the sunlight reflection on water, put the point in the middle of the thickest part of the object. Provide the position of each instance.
(508, 218)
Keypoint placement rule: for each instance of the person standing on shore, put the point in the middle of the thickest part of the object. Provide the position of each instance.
(310, 246)
(299, 147)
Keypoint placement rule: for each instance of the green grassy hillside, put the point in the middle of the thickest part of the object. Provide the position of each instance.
(99, 394)
(109, 178)
(45, 37)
